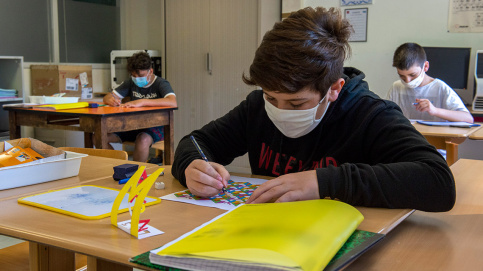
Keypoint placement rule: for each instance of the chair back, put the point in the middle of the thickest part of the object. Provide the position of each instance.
(98, 152)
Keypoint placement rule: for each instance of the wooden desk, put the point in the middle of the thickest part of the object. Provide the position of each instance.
(100, 121)
(478, 135)
(437, 241)
(447, 138)
(57, 236)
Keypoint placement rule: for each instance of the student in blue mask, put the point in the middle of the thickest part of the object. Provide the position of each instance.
(317, 129)
(144, 89)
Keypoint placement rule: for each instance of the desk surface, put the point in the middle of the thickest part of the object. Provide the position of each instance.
(444, 131)
(437, 241)
(478, 135)
(104, 110)
(98, 238)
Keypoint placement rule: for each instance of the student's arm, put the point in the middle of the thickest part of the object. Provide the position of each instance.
(289, 187)
(115, 97)
(112, 99)
(424, 105)
(168, 101)
(206, 179)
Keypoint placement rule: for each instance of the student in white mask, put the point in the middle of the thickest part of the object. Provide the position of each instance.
(317, 128)
(419, 95)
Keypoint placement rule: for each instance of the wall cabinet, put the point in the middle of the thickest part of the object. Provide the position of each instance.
(209, 45)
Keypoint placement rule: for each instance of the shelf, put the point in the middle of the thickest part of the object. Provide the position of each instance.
(11, 100)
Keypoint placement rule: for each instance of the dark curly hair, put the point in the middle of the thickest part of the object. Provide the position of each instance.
(138, 61)
(307, 49)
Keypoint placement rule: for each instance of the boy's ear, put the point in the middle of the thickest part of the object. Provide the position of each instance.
(335, 89)
(426, 66)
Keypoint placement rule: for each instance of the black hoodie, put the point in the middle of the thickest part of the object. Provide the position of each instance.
(365, 152)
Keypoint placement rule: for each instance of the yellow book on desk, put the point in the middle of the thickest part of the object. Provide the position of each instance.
(64, 106)
(303, 235)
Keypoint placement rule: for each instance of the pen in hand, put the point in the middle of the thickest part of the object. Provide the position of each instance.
(203, 156)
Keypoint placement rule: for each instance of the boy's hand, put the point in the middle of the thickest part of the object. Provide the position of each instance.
(424, 105)
(290, 187)
(206, 179)
(135, 103)
(112, 100)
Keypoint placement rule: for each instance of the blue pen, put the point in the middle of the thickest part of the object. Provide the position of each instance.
(415, 103)
(203, 156)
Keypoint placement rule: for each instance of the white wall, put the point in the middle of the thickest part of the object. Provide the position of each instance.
(392, 23)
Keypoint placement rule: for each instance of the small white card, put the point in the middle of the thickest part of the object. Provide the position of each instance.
(86, 93)
(150, 231)
(71, 84)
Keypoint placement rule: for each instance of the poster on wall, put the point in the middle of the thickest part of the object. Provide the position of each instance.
(355, 2)
(357, 17)
(465, 16)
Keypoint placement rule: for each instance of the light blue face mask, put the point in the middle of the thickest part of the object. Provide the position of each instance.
(140, 81)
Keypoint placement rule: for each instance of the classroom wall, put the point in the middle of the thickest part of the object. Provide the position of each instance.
(391, 23)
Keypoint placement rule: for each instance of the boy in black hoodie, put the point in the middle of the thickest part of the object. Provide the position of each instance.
(318, 129)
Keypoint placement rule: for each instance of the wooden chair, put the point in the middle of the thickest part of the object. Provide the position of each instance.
(98, 152)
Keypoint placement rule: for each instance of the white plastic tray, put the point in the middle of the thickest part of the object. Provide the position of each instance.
(22, 175)
(53, 100)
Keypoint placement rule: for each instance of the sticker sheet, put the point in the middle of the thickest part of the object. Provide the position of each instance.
(237, 192)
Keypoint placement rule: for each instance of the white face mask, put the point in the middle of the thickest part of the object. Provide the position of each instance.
(416, 81)
(294, 123)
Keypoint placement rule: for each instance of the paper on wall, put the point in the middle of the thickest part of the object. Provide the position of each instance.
(72, 84)
(86, 93)
(83, 79)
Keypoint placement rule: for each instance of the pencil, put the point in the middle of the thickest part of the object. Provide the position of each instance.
(203, 156)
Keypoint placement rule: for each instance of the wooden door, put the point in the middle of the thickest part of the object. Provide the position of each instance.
(228, 31)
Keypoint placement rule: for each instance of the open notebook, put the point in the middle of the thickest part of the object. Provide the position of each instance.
(302, 235)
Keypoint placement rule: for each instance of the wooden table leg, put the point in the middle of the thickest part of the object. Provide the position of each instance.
(169, 140)
(100, 134)
(48, 258)
(451, 153)
(96, 264)
(88, 140)
(14, 128)
(450, 144)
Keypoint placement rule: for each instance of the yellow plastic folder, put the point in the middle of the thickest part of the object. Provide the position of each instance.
(302, 235)
(64, 106)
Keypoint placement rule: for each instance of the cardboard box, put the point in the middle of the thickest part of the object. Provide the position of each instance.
(51, 79)
(57, 164)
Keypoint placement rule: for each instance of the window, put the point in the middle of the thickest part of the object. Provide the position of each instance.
(87, 30)
(25, 29)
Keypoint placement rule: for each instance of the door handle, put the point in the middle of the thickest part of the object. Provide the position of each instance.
(209, 63)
